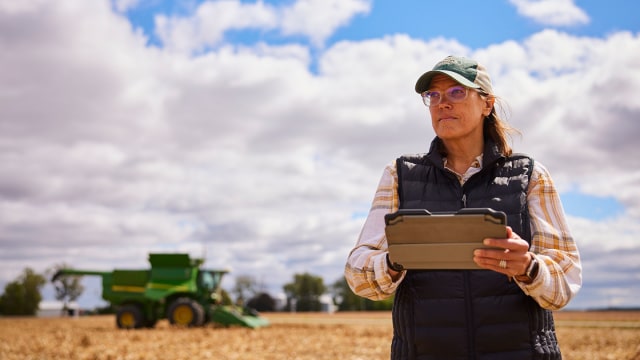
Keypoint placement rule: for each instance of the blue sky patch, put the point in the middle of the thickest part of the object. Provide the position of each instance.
(590, 207)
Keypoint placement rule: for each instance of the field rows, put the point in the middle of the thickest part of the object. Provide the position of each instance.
(303, 336)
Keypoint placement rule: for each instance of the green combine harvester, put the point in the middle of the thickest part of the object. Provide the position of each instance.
(175, 288)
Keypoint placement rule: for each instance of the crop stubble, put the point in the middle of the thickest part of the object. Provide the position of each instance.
(303, 336)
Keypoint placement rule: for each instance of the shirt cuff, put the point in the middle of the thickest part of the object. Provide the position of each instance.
(387, 285)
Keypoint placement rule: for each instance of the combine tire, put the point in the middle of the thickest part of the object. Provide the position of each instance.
(129, 317)
(185, 312)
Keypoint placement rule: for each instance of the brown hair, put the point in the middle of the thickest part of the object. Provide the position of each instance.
(498, 130)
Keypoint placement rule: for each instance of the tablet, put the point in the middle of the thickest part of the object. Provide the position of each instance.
(419, 239)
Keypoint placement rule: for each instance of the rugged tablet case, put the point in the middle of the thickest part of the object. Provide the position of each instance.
(418, 239)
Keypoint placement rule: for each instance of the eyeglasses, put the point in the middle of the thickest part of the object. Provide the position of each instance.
(455, 94)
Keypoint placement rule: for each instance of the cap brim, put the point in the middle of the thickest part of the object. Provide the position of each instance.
(424, 81)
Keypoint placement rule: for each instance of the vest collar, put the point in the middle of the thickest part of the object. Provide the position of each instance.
(491, 153)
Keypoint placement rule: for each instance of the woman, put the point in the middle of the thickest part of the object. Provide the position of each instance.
(504, 313)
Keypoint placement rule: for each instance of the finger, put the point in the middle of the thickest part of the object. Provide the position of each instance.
(497, 243)
(515, 244)
(494, 264)
(490, 256)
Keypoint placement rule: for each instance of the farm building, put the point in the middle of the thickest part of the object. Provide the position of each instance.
(54, 308)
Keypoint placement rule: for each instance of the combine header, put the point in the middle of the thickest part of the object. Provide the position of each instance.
(175, 288)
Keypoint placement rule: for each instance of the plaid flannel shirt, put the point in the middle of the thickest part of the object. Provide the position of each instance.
(559, 277)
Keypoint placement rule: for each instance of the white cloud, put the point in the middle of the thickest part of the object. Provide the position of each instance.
(18, 7)
(552, 12)
(124, 5)
(112, 149)
(558, 93)
(206, 28)
(318, 19)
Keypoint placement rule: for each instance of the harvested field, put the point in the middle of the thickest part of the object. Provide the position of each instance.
(312, 336)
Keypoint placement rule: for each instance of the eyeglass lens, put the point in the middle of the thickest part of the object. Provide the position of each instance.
(454, 94)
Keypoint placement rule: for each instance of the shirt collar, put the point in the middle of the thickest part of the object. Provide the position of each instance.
(477, 163)
(475, 167)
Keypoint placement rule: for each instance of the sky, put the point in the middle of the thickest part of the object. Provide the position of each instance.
(254, 133)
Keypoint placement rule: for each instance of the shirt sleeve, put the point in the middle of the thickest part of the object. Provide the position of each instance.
(366, 270)
(559, 277)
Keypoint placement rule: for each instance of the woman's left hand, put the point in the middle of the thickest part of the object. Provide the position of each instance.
(511, 256)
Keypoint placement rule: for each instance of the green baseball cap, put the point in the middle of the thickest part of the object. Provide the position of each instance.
(465, 71)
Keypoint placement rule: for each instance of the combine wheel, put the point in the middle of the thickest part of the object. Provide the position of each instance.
(129, 317)
(185, 312)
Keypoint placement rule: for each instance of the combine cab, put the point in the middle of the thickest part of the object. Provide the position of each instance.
(175, 288)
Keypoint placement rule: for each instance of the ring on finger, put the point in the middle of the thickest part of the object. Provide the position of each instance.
(503, 264)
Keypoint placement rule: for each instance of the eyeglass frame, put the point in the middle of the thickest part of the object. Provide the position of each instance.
(445, 93)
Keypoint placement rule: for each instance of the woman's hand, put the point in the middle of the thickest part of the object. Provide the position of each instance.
(512, 258)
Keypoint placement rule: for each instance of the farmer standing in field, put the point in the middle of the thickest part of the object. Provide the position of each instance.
(504, 313)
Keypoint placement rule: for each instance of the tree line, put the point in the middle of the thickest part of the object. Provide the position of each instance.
(22, 296)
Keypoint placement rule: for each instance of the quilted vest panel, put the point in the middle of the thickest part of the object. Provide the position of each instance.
(468, 314)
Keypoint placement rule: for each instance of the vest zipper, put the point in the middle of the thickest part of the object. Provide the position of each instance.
(464, 200)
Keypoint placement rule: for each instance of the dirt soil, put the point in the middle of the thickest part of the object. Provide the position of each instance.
(312, 336)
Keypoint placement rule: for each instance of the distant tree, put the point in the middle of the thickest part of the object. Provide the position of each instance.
(245, 288)
(262, 302)
(68, 288)
(348, 301)
(305, 291)
(22, 296)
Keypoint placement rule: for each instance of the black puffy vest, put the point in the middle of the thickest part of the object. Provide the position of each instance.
(468, 314)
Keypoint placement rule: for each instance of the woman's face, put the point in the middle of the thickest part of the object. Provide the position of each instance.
(456, 121)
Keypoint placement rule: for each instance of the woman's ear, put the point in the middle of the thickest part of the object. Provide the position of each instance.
(488, 105)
